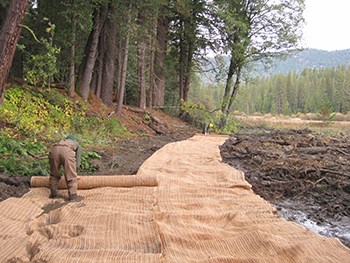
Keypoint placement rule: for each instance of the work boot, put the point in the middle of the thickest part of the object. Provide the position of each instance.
(53, 193)
(73, 197)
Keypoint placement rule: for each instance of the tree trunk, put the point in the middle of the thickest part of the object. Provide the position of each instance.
(84, 83)
(119, 64)
(142, 75)
(235, 88)
(229, 80)
(182, 56)
(109, 58)
(94, 79)
(186, 57)
(71, 90)
(99, 74)
(160, 56)
(151, 63)
(226, 98)
(151, 78)
(123, 70)
(82, 64)
(9, 36)
(94, 85)
(141, 68)
(187, 81)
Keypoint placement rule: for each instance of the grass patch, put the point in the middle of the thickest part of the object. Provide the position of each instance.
(277, 122)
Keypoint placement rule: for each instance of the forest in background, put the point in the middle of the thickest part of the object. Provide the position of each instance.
(151, 54)
(308, 90)
(147, 53)
(311, 91)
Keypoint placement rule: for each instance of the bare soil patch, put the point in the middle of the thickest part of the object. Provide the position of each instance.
(13, 186)
(305, 175)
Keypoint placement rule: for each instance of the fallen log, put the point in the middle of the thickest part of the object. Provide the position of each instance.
(136, 110)
(341, 151)
(156, 129)
(160, 122)
(36, 156)
(152, 119)
(334, 172)
(313, 150)
(323, 170)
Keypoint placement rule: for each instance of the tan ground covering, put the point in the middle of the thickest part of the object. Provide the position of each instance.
(201, 211)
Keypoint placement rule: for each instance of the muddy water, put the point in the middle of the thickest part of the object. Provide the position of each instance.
(339, 228)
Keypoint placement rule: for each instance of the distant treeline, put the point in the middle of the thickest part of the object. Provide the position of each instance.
(312, 90)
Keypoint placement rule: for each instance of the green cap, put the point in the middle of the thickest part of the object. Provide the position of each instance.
(70, 137)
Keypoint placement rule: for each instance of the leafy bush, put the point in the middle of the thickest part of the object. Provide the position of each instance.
(147, 118)
(256, 114)
(46, 112)
(199, 116)
(41, 68)
(16, 160)
(47, 116)
(231, 123)
(195, 113)
(86, 166)
(98, 130)
(113, 126)
(326, 112)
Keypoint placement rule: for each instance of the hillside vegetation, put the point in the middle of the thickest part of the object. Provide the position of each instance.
(32, 119)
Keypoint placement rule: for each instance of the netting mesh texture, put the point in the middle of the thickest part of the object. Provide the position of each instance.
(183, 205)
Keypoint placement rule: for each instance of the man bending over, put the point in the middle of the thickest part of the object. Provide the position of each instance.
(66, 153)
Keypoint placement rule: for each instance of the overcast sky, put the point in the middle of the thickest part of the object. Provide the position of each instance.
(327, 24)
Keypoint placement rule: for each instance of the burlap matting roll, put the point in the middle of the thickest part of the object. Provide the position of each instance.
(90, 182)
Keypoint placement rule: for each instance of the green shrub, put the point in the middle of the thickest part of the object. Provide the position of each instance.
(46, 116)
(45, 112)
(325, 112)
(195, 113)
(41, 68)
(198, 115)
(86, 166)
(16, 160)
(230, 127)
(114, 126)
(97, 130)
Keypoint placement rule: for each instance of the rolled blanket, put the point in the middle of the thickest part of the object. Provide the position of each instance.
(89, 182)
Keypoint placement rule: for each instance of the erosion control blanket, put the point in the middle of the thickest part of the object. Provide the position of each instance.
(201, 211)
(90, 182)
